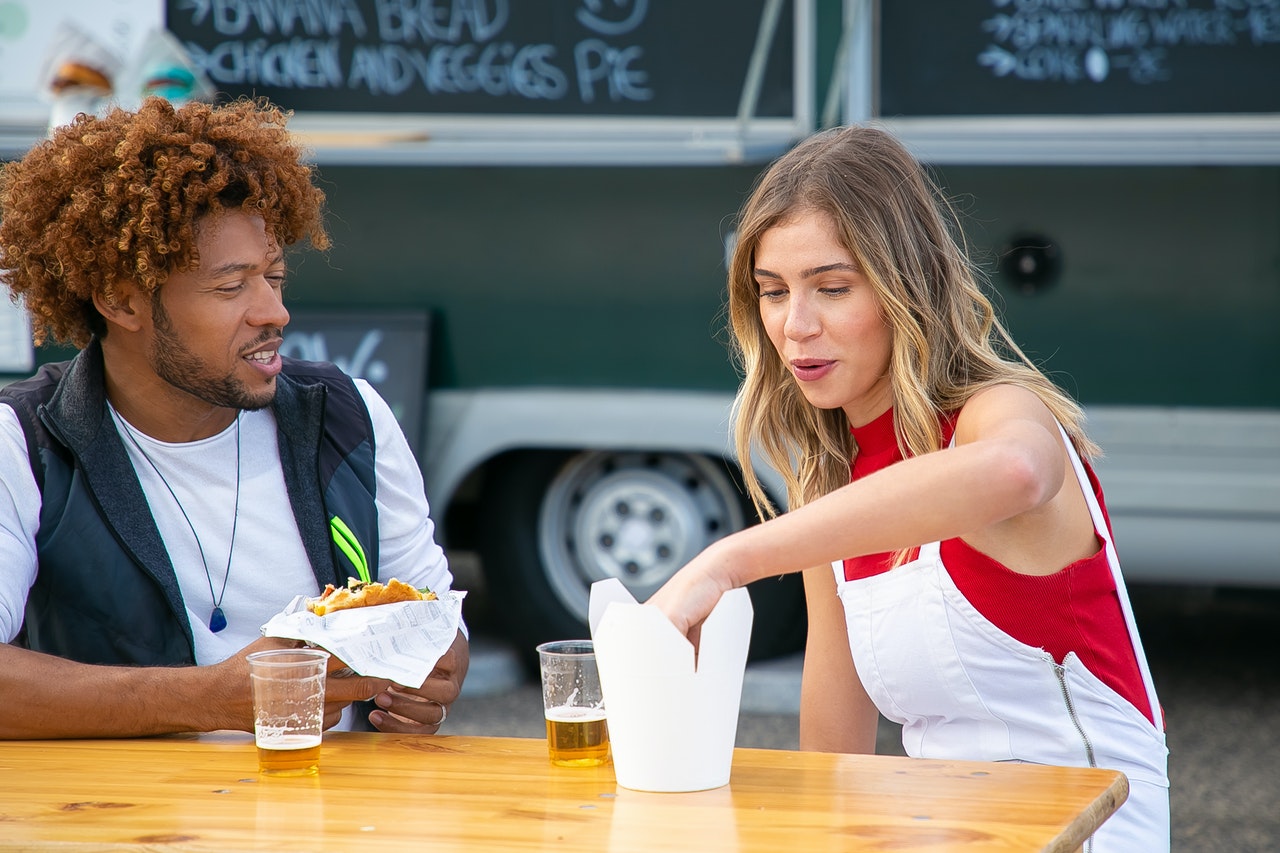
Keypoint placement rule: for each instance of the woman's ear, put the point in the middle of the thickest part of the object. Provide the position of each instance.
(120, 305)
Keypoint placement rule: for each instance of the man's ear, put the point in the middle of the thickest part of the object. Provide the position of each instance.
(126, 307)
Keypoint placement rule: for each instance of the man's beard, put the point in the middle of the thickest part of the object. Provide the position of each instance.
(184, 370)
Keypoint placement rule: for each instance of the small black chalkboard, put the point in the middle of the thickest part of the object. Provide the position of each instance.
(387, 349)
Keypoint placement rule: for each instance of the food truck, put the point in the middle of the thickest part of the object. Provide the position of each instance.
(532, 202)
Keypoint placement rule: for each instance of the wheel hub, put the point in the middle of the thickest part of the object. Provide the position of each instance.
(636, 526)
(634, 516)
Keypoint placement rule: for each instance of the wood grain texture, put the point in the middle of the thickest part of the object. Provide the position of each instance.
(401, 793)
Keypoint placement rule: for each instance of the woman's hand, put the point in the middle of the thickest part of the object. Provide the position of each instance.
(692, 593)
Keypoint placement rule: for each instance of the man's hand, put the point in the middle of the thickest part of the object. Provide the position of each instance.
(233, 675)
(421, 710)
(228, 703)
(342, 687)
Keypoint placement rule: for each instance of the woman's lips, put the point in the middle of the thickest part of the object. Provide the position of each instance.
(810, 370)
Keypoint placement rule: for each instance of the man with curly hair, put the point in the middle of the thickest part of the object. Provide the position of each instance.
(178, 482)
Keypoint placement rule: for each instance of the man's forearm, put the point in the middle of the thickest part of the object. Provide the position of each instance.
(49, 697)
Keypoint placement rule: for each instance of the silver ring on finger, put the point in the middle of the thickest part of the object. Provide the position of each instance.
(444, 713)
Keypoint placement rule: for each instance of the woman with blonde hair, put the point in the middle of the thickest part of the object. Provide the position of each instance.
(957, 556)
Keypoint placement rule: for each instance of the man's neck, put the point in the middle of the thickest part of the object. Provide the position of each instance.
(155, 407)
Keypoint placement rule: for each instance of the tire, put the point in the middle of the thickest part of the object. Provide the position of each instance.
(552, 523)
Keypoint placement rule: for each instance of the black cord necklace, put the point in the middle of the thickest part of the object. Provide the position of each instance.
(217, 619)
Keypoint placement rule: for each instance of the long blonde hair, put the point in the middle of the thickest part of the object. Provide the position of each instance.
(947, 342)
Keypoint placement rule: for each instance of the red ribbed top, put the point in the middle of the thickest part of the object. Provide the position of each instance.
(1074, 609)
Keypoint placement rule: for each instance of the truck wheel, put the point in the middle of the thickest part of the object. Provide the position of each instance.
(554, 523)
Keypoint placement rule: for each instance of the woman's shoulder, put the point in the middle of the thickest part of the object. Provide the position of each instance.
(996, 405)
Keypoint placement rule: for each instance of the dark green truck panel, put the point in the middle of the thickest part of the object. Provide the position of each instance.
(1169, 292)
(1170, 285)
(540, 276)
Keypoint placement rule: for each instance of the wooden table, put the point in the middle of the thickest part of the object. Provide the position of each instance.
(391, 792)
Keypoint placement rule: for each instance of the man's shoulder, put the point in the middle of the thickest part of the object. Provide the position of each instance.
(342, 395)
(22, 424)
(39, 384)
(302, 373)
(25, 396)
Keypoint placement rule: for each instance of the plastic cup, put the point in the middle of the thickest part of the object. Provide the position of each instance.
(577, 732)
(288, 709)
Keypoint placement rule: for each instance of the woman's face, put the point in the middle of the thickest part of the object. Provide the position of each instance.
(822, 316)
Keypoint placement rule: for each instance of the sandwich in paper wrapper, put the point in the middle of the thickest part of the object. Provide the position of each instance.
(672, 724)
(400, 641)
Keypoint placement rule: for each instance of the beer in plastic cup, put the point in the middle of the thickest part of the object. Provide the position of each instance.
(288, 709)
(577, 732)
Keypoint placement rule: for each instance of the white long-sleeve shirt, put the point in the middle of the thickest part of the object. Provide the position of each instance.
(268, 566)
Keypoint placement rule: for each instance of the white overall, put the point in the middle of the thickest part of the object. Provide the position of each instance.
(963, 689)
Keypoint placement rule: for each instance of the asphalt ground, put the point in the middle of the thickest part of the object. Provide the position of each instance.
(1214, 656)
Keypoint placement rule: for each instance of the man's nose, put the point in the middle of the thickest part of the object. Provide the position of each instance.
(268, 308)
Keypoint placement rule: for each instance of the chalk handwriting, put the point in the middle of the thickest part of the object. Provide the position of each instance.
(361, 364)
(623, 17)
(285, 17)
(443, 47)
(596, 61)
(1092, 40)
(499, 68)
(427, 21)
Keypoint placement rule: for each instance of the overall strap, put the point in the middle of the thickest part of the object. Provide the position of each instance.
(1113, 560)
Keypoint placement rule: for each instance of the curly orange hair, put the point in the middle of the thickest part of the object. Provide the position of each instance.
(118, 198)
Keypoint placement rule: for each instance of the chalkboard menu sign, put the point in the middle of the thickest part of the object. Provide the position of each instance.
(1099, 82)
(466, 81)
(387, 349)
(1078, 57)
(564, 58)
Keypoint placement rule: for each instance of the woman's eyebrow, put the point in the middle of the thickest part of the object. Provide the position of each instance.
(840, 266)
(760, 272)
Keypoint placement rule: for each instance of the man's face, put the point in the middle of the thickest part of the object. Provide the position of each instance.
(218, 328)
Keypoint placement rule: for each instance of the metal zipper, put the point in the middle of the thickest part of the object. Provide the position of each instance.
(1061, 672)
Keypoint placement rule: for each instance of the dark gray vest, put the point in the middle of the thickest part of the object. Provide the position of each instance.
(105, 591)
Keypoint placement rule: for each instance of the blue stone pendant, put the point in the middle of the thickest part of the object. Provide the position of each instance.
(217, 621)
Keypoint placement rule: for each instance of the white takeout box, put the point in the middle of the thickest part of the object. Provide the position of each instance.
(672, 726)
